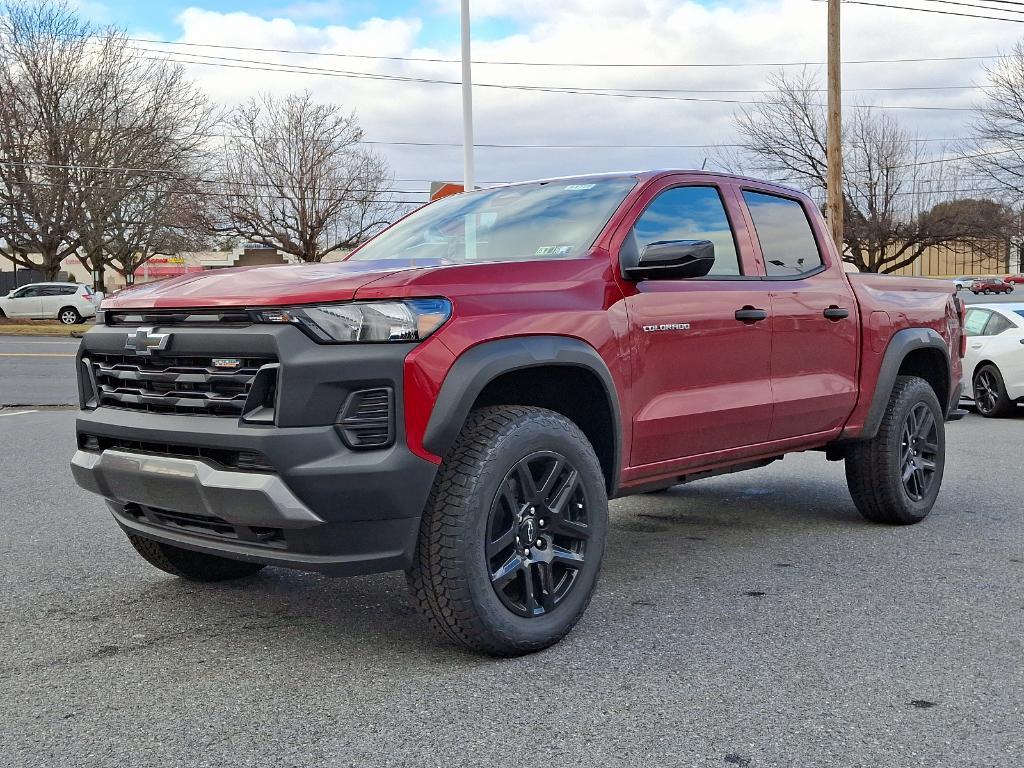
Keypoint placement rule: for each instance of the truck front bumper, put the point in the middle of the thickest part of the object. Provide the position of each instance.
(292, 492)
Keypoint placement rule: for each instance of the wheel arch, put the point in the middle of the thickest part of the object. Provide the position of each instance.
(981, 364)
(918, 352)
(561, 373)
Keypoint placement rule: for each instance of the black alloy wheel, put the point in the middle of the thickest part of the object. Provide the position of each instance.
(990, 397)
(986, 391)
(920, 448)
(537, 533)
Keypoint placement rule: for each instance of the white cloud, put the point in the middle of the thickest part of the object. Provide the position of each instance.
(608, 31)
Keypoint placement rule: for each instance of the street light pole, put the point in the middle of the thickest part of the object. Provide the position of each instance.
(834, 145)
(467, 103)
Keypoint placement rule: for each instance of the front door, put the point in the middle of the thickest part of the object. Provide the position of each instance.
(701, 377)
(26, 302)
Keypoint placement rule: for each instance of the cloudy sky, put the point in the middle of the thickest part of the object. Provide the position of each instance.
(667, 105)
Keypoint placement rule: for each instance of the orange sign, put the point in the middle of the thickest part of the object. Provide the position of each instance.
(439, 189)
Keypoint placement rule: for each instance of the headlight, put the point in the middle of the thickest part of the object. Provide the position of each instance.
(370, 321)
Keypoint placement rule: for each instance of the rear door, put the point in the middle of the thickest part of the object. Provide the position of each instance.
(816, 331)
(55, 297)
(701, 380)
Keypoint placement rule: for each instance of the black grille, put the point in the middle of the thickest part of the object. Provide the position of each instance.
(205, 525)
(367, 418)
(191, 318)
(249, 461)
(210, 386)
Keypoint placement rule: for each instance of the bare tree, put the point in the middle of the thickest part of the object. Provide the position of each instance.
(147, 145)
(96, 143)
(297, 178)
(43, 104)
(998, 145)
(894, 201)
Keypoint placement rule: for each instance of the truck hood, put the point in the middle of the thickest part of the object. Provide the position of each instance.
(261, 286)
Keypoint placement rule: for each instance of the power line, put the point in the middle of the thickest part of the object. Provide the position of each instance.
(266, 66)
(173, 175)
(974, 5)
(610, 65)
(930, 10)
(196, 193)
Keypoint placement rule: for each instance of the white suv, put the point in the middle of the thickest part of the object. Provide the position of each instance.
(68, 303)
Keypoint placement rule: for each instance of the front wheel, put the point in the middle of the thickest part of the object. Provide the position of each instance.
(513, 533)
(186, 564)
(895, 477)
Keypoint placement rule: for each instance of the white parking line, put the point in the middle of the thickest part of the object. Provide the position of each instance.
(17, 413)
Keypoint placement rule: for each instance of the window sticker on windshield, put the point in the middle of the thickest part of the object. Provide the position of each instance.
(579, 187)
(552, 250)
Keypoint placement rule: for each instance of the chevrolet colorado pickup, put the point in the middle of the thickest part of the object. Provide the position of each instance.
(462, 395)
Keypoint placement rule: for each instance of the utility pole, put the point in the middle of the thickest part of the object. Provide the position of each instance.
(834, 145)
(467, 103)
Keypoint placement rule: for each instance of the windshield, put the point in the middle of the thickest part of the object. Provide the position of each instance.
(544, 220)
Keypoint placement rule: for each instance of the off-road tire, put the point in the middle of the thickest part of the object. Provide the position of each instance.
(1004, 406)
(194, 566)
(874, 467)
(69, 316)
(450, 578)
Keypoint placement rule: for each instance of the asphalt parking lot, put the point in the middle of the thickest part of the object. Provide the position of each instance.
(749, 620)
(37, 370)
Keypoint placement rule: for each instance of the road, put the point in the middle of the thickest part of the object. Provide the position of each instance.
(1017, 297)
(749, 620)
(37, 370)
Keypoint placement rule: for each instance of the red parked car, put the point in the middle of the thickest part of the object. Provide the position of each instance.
(991, 285)
(1014, 279)
(460, 398)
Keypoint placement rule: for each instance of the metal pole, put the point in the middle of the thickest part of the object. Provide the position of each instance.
(467, 103)
(834, 191)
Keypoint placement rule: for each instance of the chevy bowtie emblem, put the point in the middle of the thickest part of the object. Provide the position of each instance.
(145, 342)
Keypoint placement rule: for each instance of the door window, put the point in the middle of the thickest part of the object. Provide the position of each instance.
(689, 213)
(974, 322)
(27, 293)
(997, 324)
(787, 241)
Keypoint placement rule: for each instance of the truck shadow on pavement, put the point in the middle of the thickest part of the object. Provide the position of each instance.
(710, 532)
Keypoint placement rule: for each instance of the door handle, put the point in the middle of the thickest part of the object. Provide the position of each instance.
(836, 313)
(978, 346)
(751, 315)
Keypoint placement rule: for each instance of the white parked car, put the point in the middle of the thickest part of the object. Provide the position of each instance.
(963, 283)
(68, 303)
(994, 361)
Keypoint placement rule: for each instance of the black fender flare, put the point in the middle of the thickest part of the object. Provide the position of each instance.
(485, 362)
(901, 344)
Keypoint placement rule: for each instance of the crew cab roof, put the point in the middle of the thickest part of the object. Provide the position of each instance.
(654, 174)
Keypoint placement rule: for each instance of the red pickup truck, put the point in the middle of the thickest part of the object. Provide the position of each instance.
(460, 397)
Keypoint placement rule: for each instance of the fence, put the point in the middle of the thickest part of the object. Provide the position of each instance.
(18, 277)
(998, 257)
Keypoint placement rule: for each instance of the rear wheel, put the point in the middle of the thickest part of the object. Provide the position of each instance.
(990, 398)
(895, 477)
(69, 316)
(194, 566)
(513, 534)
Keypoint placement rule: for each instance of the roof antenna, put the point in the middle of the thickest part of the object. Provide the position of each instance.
(704, 164)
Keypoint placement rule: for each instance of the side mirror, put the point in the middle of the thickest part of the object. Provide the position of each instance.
(673, 259)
